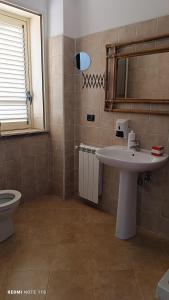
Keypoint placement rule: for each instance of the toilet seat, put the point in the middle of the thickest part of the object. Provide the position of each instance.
(9, 202)
(8, 197)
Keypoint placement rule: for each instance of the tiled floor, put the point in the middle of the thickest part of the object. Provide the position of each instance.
(68, 249)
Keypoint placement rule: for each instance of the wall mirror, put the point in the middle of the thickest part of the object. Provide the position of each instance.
(138, 73)
(82, 61)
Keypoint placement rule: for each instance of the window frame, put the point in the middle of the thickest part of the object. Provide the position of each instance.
(16, 19)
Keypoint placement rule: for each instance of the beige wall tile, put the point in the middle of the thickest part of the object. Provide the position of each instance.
(57, 112)
(3, 183)
(92, 135)
(89, 44)
(162, 25)
(12, 150)
(69, 46)
(146, 29)
(107, 37)
(127, 33)
(163, 226)
(106, 137)
(83, 117)
(55, 45)
(150, 129)
(13, 177)
(18, 169)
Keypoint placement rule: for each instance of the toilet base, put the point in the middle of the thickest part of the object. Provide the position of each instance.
(6, 229)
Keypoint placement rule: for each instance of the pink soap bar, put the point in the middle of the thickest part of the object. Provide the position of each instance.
(157, 154)
(159, 148)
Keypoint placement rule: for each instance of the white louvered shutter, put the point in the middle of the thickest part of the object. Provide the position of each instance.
(13, 74)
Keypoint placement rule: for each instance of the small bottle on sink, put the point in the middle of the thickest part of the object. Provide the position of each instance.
(131, 140)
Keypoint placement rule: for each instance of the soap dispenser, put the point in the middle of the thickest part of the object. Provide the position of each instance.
(131, 139)
(122, 127)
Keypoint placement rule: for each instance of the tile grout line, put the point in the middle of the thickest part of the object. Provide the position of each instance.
(47, 287)
(137, 283)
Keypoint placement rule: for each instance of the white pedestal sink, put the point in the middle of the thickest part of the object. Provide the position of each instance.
(130, 164)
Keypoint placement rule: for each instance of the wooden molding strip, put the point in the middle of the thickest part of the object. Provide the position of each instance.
(138, 111)
(139, 41)
(140, 101)
(142, 52)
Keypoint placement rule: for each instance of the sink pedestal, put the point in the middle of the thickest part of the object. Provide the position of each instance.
(126, 211)
(130, 163)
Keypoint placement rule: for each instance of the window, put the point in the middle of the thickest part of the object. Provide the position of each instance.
(15, 83)
(23, 90)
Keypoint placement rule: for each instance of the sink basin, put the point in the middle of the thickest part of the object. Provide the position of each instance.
(124, 159)
(130, 163)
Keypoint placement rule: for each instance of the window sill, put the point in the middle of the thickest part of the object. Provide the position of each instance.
(23, 132)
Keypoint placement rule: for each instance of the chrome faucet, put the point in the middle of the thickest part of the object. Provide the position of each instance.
(136, 146)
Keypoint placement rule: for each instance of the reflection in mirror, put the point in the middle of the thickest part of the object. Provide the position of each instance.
(143, 77)
(137, 76)
(82, 61)
(122, 78)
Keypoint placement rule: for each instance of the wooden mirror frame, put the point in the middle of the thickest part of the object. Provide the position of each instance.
(112, 52)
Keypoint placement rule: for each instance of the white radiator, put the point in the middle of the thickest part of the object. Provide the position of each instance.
(90, 177)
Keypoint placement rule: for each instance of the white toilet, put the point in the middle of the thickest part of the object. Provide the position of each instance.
(9, 201)
(162, 291)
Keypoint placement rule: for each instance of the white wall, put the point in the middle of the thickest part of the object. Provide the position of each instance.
(71, 21)
(38, 6)
(77, 18)
(55, 17)
(84, 17)
(62, 17)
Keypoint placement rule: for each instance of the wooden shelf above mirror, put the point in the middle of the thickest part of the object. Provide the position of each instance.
(138, 73)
